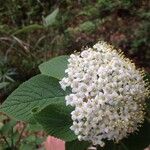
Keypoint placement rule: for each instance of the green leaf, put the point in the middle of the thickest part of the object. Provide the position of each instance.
(6, 129)
(51, 19)
(56, 121)
(55, 67)
(3, 85)
(33, 139)
(87, 26)
(34, 94)
(77, 145)
(27, 146)
(15, 136)
(3, 117)
(30, 139)
(28, 28)
(34, 127)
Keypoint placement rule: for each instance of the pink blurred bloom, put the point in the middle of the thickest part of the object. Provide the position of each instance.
(52, 143)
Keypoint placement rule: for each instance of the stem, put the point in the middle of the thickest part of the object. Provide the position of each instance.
(20, 136)
(4, 138)
(12, 140)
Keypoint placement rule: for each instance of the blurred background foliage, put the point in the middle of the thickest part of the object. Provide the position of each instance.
(32, 31)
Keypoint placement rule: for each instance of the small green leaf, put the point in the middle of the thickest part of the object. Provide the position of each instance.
(3, 85)
(30, 139)
(56, 121)
(50, 19)
(37, 92)
(27, 146)
(87, 26)
(28, 28)
(3, 117)
(15, 136)
(77, 145)
(55, 67)
(6, 129)
(34, 127)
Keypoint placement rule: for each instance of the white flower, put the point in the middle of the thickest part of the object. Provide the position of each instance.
(108, 94)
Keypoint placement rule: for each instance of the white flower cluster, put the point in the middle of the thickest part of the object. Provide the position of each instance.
(108, 94)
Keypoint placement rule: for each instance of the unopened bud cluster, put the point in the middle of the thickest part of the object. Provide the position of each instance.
(108, 94)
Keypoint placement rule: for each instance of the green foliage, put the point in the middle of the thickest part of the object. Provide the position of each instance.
(28, 28)
(41, 99)
(11, 138)
(5, 72)
(8, 135)
(35, 93)
(56, 121)
(6, 75)
(51, 19)
(90, 11)
(3, 85)
(30, 142)
(112, 5)
(60, 63)
(27, 146)
(87, 26)
(34, 127)
(6, 129)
